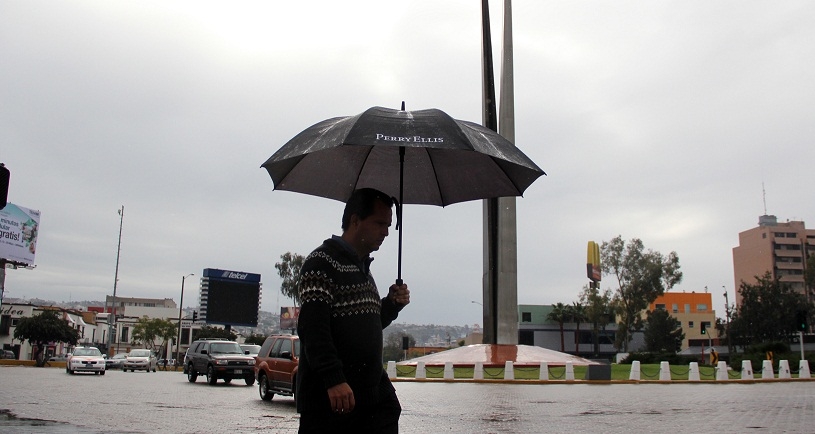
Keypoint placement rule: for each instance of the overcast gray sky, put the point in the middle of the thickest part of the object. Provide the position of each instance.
(654, 120)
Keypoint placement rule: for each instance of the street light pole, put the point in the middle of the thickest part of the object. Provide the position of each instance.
(727, 317)
(112, 315)
(180, 307)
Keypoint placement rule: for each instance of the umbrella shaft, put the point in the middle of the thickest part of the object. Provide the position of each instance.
(399, 221)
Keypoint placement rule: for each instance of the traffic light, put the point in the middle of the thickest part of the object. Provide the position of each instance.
(195, 315)
(801, 320)
(704, 328)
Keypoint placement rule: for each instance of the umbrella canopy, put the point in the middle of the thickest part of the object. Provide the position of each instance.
(445, 160)
(421, 157)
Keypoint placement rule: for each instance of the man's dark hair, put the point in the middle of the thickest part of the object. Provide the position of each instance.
(362, 203)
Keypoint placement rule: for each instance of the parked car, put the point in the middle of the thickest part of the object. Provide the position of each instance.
(60, 358)
(7, 354)
(115, 362)
(140, 360)
(250, 349)
(85, 359)
(219, 359)
(276, 366)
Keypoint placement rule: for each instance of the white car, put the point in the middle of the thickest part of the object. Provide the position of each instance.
(85, 359)
(140, 360)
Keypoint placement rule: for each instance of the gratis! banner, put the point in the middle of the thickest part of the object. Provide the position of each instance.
(18, 233)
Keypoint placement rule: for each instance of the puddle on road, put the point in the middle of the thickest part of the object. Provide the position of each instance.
(30, 426)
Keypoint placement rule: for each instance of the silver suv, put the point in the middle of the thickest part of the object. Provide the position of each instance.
(219, 359)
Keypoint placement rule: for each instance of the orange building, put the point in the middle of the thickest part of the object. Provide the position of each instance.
(694, 311)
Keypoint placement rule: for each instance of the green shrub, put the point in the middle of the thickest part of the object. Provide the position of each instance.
(656, 358)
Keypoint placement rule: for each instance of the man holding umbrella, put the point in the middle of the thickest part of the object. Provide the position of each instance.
(341, 385)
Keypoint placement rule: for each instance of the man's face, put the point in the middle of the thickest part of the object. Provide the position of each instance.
(372, 231)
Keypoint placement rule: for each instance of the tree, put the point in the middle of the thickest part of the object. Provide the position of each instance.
(663, 333)
(213, 332)
(578, 314)
(255, 339)
(392, 349)
(598, 311)
(40, 330)
(559, 314)
(809, 275)
(148, 330)
(641, 275)
(289, 270)
(767, 312)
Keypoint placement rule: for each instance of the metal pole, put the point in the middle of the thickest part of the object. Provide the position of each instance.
(2, 280)
(180, 307)
(801, 343)
(727, 317)
(112, 317)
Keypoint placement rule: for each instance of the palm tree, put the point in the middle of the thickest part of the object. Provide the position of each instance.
(559, 313)
(578, 313)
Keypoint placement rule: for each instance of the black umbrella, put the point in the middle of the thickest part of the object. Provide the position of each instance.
(421, 157)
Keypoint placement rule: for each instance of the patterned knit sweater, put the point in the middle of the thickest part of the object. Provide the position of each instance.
(340, 327)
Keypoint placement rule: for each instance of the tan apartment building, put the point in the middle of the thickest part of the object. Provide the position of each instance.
(780, 248)
(694, 311)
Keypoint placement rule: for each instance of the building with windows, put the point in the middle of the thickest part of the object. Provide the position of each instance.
(164, 308)
(12, 313)
(780, 248)
(695, 313)
(536, 329)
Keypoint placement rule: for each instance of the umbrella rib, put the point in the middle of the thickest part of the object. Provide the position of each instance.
(361, 167)
(509, 178)
(435, 175)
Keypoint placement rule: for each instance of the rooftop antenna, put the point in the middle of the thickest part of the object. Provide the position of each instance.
(764, 197)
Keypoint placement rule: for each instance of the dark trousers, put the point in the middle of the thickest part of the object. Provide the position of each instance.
(379, 419)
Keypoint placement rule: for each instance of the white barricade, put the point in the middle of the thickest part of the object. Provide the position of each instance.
(509, 372)
(803, 369)
(634, 375)
(544, 374)
(721, 371)
(569, 371)
(664, 371)
(478, 371)
(391, 369)
(448, 371)
(746, 370)
(420, 373)
(784, 369)
(693, 371)
(767, 370)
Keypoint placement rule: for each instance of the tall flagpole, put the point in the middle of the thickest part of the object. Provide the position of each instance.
(112, 316)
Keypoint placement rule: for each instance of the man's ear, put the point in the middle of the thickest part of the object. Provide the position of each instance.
(354, 220)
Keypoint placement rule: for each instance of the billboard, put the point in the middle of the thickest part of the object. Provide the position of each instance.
(288, 317)
(230, 297)
(18, 233)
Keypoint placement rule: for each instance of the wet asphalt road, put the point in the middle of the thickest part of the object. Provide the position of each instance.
(48, 400)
